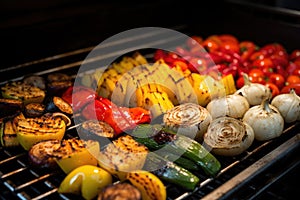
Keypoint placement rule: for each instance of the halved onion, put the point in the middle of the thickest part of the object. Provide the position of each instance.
(228, 136)
(188, 119)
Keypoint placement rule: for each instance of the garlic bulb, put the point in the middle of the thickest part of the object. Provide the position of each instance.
(228, 136)
(288, 106)
(255, 93)
(231, 106)
(188, 119)
(265, 120)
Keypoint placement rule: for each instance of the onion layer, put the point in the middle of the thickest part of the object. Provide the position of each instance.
(231, 106)
(228, 136)
(188, 119)
(288, 105)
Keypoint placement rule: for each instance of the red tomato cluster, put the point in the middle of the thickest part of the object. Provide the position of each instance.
(220, 55)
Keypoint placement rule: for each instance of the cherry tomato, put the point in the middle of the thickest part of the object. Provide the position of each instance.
(258, 55)
(295, 54)
(232, 69)
(267, 71)
(194, 41)
(287, 88)
(240, 82)
(279, 60)
(247, 48)
(255, 72)
(263, 62)
(243, 69)
(281, 70)
(291, 79)
(256, 76)
(197, 65)
(274, 89)
(296, 72)
(228, 38)
(260, 80)
(297, 62)
(212, 43)
(291, 68)
(229, 47)
(277, 79)
(272, 48)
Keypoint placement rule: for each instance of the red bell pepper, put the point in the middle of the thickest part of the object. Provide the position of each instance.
(78, 97)
(120, 118)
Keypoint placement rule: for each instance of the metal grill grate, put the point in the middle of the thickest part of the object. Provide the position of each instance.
(18, 180)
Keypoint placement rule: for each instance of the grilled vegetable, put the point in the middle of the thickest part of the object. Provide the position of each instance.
(288, 105)
(96, 130)
(156, 137)
(231, 106)
(108, 80)
(122, 156)
(57, 83)
(57, 104)
(34, 109)
(149, 184)
(180, 161)
(41, 155)
(36, 81)
(74, 153)
(22, 91)
(255, 93)
(170, 172)
(33, 130)
(228, 136)
(121, 119)
(120, 191)
(265, 120)
(78, 97)
(8, 132)
(188, 119)
(67, 154)
(10, 108)
(87, 180)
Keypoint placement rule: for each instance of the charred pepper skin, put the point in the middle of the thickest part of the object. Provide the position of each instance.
(156, 137)
(93, 106)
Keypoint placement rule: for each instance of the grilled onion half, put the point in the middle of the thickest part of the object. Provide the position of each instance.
(228, 136)
(188, 119)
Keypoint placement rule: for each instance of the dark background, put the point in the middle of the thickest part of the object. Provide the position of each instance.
(31, 29)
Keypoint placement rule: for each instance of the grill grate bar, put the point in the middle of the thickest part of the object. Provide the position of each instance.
(33, 181)
(45, 194)
(12, 158)
(13, 172)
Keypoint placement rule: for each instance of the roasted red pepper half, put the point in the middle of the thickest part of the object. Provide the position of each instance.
(78, 97)
(120, 118)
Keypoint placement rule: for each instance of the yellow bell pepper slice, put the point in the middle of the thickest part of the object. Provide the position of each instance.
(87, 180)
(33, 130)
(78, 153)
(149, 185)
